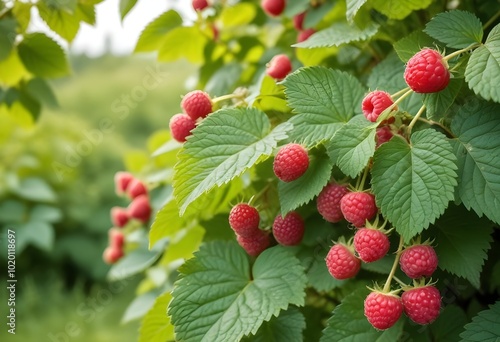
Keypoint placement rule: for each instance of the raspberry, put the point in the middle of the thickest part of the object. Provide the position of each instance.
(244, 220)
(422, 304)
(279, 67)
(140, 209)
(328, 202)
(288, 231)
(196, 104)
(112, 255)
(375, 103)
(357, 207)
(122, 181)
(254, 244)
(371, 244)
(290, 162)
(119, 216)
(305, 34)
(116, 238)
(418, 261)
(273, 7)
(200, 5)
(136, 188)
(341, 262)
(298, 21)
(383, 135)
(427, 72)
(383, 309)
(181, 126)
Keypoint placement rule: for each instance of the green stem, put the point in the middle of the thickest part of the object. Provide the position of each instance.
(492, 20)
(458, 52)
(227, 97)
(415, 119)
(435, 123)
(399, 93)
(363, 179)
(387, 285)
(399, 281)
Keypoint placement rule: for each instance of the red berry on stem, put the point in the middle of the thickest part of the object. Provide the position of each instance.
(244, 219)
(422, 304)
(181, 126)
(197, 104)
(383, 135)
(136, 188)
(116, 238)
(383, 309)
(273, 7)
(254, 244)
(357, 207)
(298, 21)
(279, 67)
(418, 261)
(375, 103)
(200, 5)
(288, 230)
(328, 202)
(427, 72)
(341, 262)
(305, 34)
(119, 216)
(291, 162)
(371, 244)
(140, 209)
(122, 181)
(112, 255)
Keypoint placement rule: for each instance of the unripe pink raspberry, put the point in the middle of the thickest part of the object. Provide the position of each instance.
(383, 309)
(383, 135)
(196, 104)
(122, 181)
(371, 244)
(119, 216)
(254, 244)
(200, 5)
(358, 207)
(341, 262)
(288, 230)
(279, 67)
(427, 72)
(291, 162)
(298, 21)
(136, 188)
(305, 34)
(375, 103)
(273, 8)
(328, 202)
(244, 220)
(181, 126)
(140, 208)
(112, 254)
(418, 261)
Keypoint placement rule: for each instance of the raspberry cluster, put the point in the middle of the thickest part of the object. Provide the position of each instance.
(244, 219)
(196, 105)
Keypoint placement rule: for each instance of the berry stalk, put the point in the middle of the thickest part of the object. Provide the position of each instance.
(415, 119)
(387, 285)
(458, 52)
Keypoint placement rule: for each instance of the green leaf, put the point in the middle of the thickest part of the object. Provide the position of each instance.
(7, 37)
(485, 327)
(219, 297)
(399, 9)
(60, 20)
(86, 13)
(353, 145)
(447, 327)
(413, 43)
(294, 194)
(348, 322)
(221, 148)
(287, 327)
(462, 240)
(189, 42)
(457, 29)
(437, 104)
(353, 7)
(324, 100)
(126, 6)
(39, 89)
(483, 69)
(45, 213)
(153, 36)
(477, 147)
(12, 211)
(237, 15)
(337, 34)
(37, 233)
(224, 79)
(35, 189)
(42, 56)
(413, 183)
(156, 326)
(140, 306)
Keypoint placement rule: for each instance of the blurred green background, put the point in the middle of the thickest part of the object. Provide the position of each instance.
(56, 190)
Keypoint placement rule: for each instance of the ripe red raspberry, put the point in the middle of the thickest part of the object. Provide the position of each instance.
(328, 202)
(371, 244)
(116, 238)
(288, 231)
(427, 72)
(279, 67)
(341, 262)
(298, 21)
(305, 34)
(422, 304)
(119, 216)
(112, 255)
(140, 209)
(383, 309)
(254, 244)
(418, 261)
(136, 188)
(357, 207)
(181, 126)
(122, 181)
(375, 103)
(200, 5)
(197, 104)
(383, 135)
(290, 162)
(244, 220)
(273, 7)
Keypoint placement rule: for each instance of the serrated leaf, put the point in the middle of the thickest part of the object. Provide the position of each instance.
(348, 322)
(219, 297)
(483, 69)
(60, 20)
(457, 29)
(353, 7)
(437, 104)
(337, 34)
(221, 148)
(287, 327)
(353, 145)
(399, 9)
(413, 43)
(294, 194)
(42, 56)
(462, 240)
(126, 6)
(7, 37)
(413, 183)
(324, 99)
(189, 42)
(485, 327)
(156, 326)
(477, 147)
(153, 36)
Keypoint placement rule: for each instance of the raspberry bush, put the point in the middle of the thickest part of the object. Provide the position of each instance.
(378, 133)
